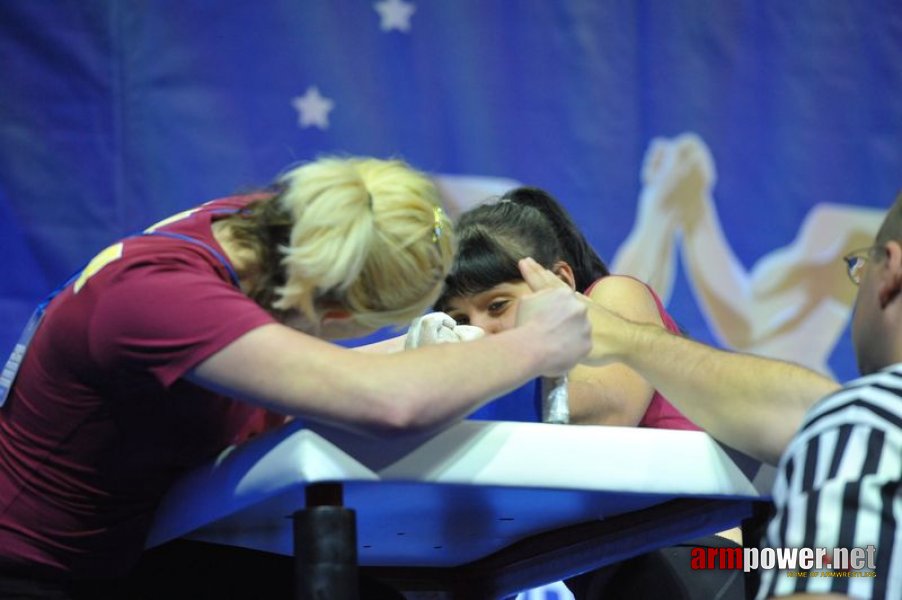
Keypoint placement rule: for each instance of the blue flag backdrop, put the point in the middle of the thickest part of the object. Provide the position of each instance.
(727, 152)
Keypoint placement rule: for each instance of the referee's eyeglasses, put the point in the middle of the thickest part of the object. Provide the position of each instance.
(855, 261)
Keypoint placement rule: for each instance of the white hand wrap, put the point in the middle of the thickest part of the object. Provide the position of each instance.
(465, 333)
(438, 328)
(556, 405)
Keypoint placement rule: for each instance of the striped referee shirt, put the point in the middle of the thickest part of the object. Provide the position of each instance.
(839, 487)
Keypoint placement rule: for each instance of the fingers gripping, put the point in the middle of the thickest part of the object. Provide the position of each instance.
(538, 277)
(438, 328)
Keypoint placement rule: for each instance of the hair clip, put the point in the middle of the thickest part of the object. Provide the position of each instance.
(437, 223)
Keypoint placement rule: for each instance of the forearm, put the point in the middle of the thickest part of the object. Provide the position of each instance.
(717, 275)
(613, 394)
(649, 253)
(752, 403)
(610, 395)
(432, 386)
(297, 374)
(373, 393)
(395, 344)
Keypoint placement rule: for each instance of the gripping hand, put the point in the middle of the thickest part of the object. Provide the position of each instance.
(438, 328)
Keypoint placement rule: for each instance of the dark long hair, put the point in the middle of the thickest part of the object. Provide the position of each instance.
(525, 221)
(263, 226)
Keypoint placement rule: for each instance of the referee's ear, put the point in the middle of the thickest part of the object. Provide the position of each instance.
(890, 274)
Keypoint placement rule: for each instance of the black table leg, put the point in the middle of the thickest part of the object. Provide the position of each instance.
(325, 547)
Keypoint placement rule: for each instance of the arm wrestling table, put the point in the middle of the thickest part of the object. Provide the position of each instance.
(483, 509)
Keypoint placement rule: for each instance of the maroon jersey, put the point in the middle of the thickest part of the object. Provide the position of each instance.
(100, 421)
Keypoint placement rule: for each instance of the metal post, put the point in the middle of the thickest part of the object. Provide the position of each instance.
(325, 547)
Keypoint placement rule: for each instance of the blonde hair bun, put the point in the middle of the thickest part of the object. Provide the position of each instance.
(368, 235)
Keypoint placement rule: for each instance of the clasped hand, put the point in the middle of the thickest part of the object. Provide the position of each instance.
(439, 328)
(606, 328)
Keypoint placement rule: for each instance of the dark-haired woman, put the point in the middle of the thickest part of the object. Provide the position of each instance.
(485, 286)
(484, 289)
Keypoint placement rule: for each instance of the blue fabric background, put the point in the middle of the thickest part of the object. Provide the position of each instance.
(114, 114)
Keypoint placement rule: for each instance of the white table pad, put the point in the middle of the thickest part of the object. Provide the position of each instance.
(449, 499)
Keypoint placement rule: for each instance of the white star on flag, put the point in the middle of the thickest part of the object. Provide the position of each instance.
(395, 14)
(313, 108)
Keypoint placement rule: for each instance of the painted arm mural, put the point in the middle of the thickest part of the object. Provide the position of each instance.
(792, 304)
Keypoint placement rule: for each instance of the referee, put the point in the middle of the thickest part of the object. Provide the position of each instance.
(839, 449)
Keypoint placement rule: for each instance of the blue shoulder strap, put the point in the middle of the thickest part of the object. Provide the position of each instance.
(11, 368)
(187, 238)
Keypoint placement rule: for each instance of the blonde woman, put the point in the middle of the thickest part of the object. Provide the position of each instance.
(173, 344)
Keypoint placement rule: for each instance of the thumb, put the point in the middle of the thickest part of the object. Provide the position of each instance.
(538, 277)
(465, 333)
